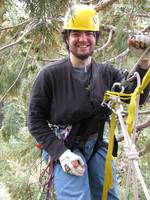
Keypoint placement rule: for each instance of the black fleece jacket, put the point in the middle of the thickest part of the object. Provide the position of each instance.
(59, 98)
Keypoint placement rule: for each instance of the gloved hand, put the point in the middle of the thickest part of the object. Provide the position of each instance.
(72, 163)
(131, 152)
(138, 44)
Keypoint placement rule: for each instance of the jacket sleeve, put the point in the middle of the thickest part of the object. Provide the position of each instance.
(130, 88)
(39, 117)
(146, 91)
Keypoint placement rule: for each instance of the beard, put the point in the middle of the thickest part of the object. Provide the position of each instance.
(82, 56)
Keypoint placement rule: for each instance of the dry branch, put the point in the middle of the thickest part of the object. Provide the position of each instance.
(121, 55)
(15, 81)
(106, 44)
(103, 4)
(143, 125)
(28, 28)
(141, 57)
(17, 25)
(145, 112)
(144, 151)
(138, 129)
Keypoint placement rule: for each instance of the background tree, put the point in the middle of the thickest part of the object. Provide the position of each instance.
(30, 36)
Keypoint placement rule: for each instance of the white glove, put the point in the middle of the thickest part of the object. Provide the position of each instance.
(72, 163)
(138, 44)
(131, 152)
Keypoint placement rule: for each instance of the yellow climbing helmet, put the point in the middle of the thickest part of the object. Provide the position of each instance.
(81, 17)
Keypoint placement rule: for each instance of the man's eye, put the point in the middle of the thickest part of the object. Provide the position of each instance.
(75, 34)
(89, 33)
(78, 34)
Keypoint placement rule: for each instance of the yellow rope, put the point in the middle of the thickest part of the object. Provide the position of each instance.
(108, 178)
(123, 96)
(108, 181)
(133, 102)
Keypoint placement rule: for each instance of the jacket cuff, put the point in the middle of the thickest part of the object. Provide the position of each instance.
(57, 151)
(141, 71)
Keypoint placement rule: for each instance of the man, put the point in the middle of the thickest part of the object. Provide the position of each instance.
(65, 113)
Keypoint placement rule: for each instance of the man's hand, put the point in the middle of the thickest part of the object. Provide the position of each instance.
(72, 163)
(138, 44)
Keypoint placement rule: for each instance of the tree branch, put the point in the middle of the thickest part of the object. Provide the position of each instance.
(144, 112)
(143, 152)
(138, 129)
(143, 125)
(106, 44)
(23, 65)
(17, 25)
(140, 112)
(141, 57)
(103, 4)
(29, 28)
(124, 53)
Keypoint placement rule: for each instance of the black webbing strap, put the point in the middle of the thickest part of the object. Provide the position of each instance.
(101, 143)
(72, 135)
(83, 131)
(99, 138)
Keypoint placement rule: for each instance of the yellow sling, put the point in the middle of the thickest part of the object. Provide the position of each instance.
(108, 178)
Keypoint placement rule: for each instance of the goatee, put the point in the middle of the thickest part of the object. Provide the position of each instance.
(82, 56)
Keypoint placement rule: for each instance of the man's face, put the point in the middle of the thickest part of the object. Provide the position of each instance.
(81, 43)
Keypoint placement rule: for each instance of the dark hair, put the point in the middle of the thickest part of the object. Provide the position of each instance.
(65, 35)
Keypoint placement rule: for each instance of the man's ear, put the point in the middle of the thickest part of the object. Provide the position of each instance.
(67, 42)
(65, 36)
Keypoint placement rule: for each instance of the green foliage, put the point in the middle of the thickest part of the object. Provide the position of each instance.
(20, 167)
(14, 119)
(46, 8)
(144, 5)
(121, 36)
(15, 174)
(49, 12)
(19, 161)
(14, 12)
(9, 71)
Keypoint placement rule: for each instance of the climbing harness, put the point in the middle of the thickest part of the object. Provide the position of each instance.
(46, 177)
(46, 173)
(114, 101)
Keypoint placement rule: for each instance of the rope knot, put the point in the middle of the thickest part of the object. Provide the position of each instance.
(131, 152)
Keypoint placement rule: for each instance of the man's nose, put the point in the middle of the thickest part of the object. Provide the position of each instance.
(83, 37)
